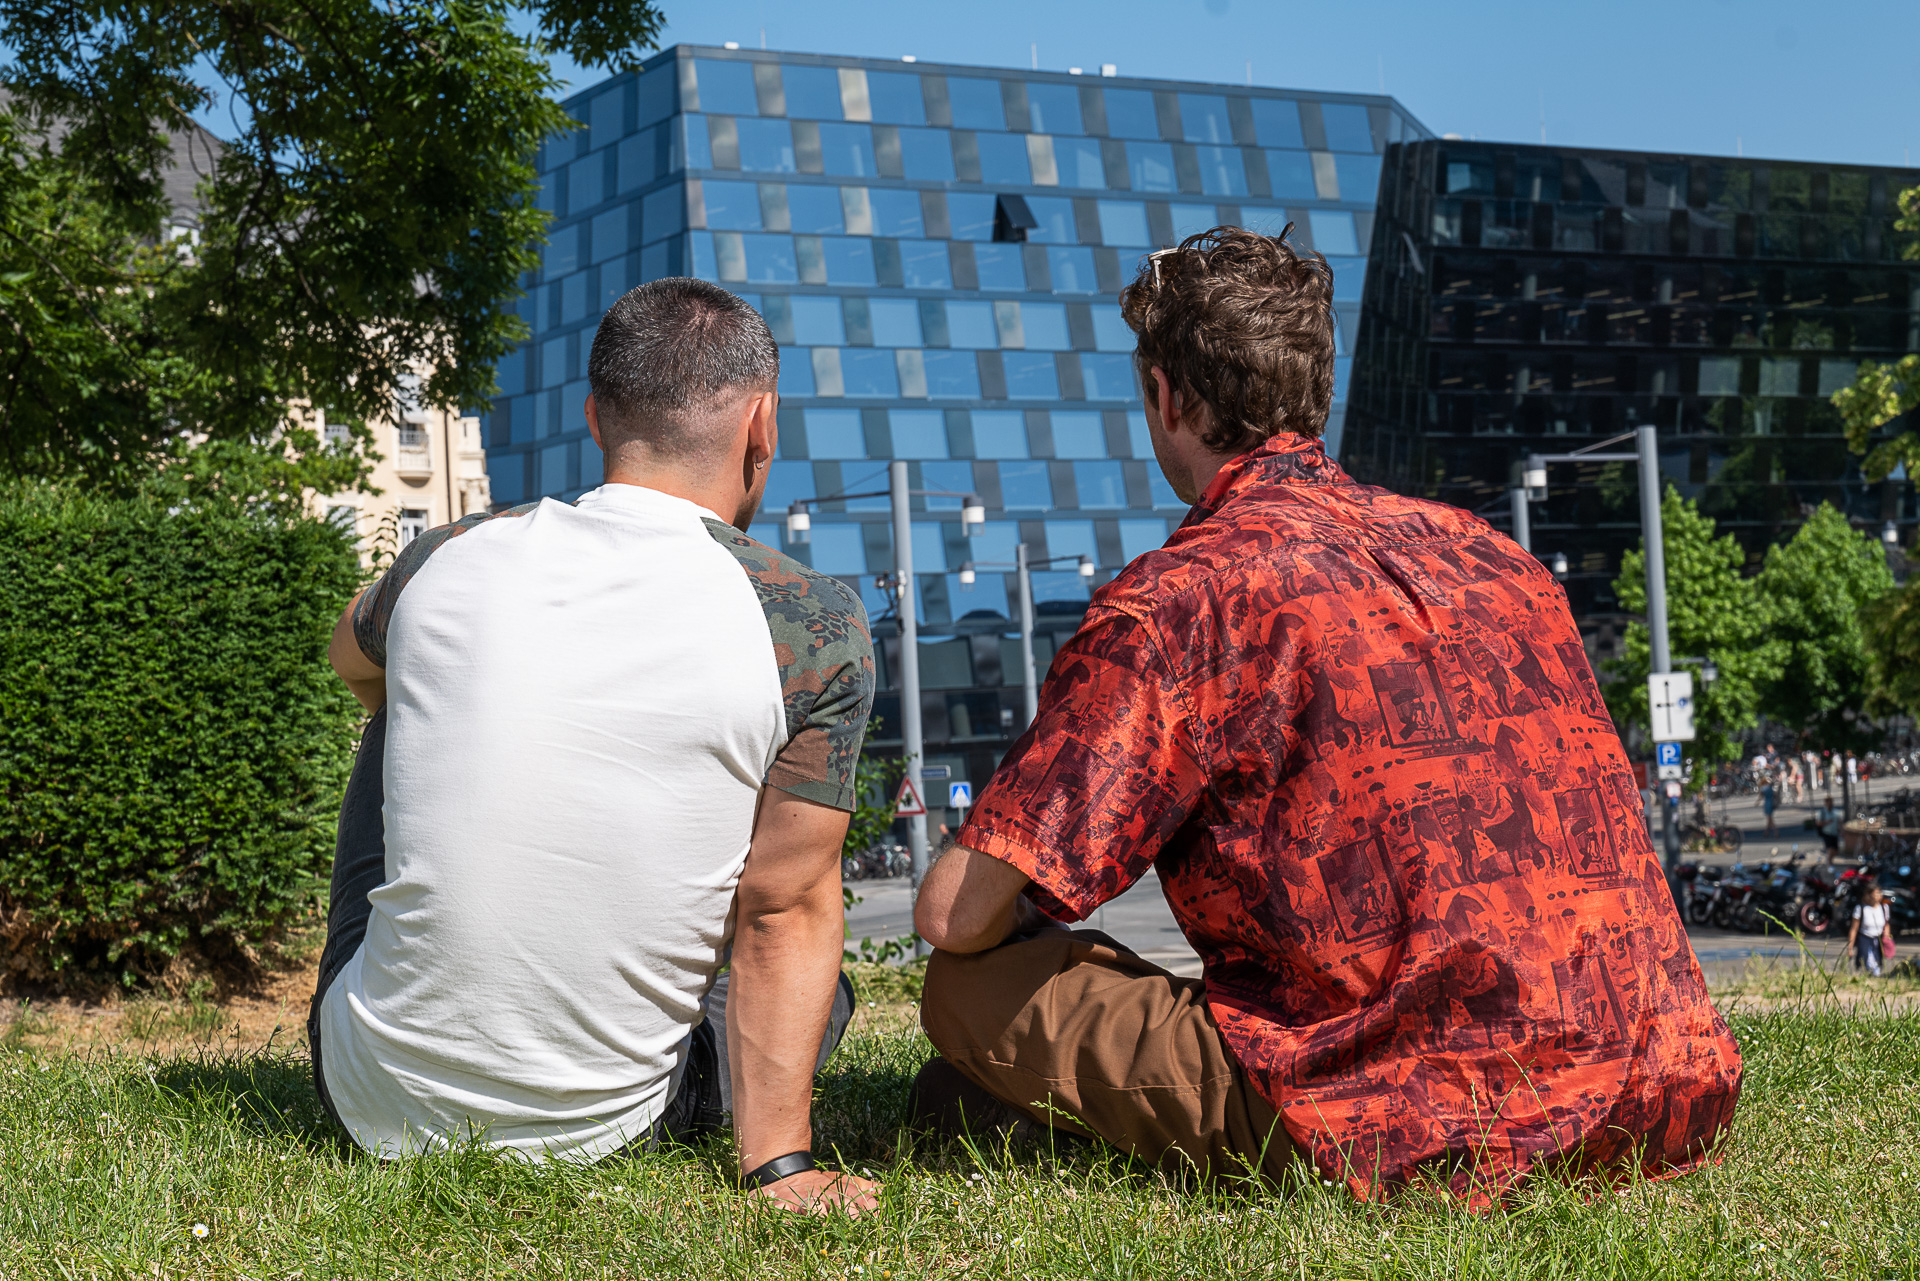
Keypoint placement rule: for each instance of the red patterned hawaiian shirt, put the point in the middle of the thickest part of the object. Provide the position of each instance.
(1359, 738)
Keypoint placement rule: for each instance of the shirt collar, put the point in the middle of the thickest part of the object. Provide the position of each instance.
(1282, 459)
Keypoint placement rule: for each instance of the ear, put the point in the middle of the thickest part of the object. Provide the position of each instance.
(593, 423)
(763, 428)
(1165, 402)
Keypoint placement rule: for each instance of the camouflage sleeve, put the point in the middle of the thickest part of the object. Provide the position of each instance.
(374, 608)
(821, 642)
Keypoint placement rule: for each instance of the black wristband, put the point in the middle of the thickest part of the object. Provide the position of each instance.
(779, 1168)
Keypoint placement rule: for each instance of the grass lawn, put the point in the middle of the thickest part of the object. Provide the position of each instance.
(109, 1157)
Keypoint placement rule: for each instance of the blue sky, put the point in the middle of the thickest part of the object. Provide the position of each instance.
(1831, 81)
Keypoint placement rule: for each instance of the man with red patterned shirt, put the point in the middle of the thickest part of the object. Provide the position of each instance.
(1358, 737)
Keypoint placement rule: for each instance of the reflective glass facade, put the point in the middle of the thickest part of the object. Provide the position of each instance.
(1527, 299)
(937, 250)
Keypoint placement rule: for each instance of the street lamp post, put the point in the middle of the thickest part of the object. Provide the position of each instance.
(912, 730)
(1646, 453)
(1023, 564)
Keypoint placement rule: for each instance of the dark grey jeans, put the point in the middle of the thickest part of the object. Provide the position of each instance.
(705, 1097)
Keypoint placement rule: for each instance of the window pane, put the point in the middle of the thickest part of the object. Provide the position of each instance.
(1031, 375)
(869, 371)
(835, 433)
(1190, 220)
(1221, 171)
(1150, 167)
(1138, 537)
(726, 88)
(1102, 485)
(562, 253)
(1054, 108)
(637, 159)
(1291, 173)
(1203, 118)
(1072, 538)
(1333, 232)
(815, 210)
(970, 324)
(1110, 332)
(976, 103)
(970, 215)
(849, 260)
(1078, 435)
(1162, 492)
(930, 553)
(1024, 486)
(1123, 222)
(770, 260)
(1055, 216)
(1000, 267)
(1359, 177)
(996, 541)
(1059, 585)
(924, 264)
(957, 477)
(583, 183)
(897, 213)
(952, 375)
(1107, 377)
(796, 372)
(1078, 162)
(925, 154)
(1719, 376)
(610, 238)
(1347, 127)
(787, 483)
(699, 149)
(732, 206)
(1003, 160)
(847, 150)
(662, 212)
(1349, 275)
(1071, 267)
(837, 549)
(999, 433)
(895, 98)
(1276, 123)
(1130, 114)
(766, 146)
(919, 433)
(817, 321)
(1045, 324)
(1138, 436)
(896, 322)
(813, 93)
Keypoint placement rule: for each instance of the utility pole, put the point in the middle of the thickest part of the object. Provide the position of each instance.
(913, 745)
(1647, 445)
(1522, 518)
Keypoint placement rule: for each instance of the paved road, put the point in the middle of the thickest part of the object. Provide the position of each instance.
(1141, 918)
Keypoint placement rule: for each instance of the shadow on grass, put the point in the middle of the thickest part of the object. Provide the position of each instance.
(269, 1095)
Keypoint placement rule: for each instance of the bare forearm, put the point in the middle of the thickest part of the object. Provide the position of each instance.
(969, 902)
(785, 966)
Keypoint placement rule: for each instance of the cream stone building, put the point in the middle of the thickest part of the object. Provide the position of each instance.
(432, 470)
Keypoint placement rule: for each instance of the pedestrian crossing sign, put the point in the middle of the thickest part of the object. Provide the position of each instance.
(959, 795)
(907, 802)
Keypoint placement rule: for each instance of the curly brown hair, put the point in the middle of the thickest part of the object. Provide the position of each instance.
(1244, 323)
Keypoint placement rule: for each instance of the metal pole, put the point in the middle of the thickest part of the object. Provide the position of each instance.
(1029, 679)
(1647, 444)
(1522, 518)
(911, 732)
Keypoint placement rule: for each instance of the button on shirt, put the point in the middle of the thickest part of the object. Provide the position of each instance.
(1359, 738)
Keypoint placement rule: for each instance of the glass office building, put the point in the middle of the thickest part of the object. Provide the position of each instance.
(1526, 298)
(937, 250)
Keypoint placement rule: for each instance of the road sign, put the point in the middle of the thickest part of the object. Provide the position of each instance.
(1667, 757)
(1670, 699)
(959, 795)
(935, 773)
(907, 803)
(1673, 791)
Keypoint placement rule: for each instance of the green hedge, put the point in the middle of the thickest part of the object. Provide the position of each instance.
(173, 745)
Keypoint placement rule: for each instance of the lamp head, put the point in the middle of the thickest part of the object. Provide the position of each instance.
(972, 512)
(799, 523)
(966, 573)
(1534, 478)
(1559, 565)
(1086, 567)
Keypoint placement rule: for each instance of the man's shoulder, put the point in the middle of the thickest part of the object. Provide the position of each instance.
(786, 587)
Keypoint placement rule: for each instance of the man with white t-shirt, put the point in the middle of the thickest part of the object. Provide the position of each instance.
(612, 751)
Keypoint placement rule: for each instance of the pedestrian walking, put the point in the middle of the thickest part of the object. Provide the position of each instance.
(1828, 823)
(1797, 781)
(1872, 931)
(1768, 793)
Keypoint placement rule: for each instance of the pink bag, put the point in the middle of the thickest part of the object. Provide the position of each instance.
(1886, 946)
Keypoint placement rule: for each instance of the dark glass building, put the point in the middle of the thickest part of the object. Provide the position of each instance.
(1525, 298)
(937, 250)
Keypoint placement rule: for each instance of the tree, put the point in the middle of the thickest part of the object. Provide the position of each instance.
(1813, 589)
(1713, 612)
(1892, 633)
(1883, 392)
(371, 217)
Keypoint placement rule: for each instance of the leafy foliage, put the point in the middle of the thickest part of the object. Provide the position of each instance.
(1713, 612)
(172, 745)
(875, 780)
(1814, 589)
(1892, 626)
(1883, 392)
(370, 218)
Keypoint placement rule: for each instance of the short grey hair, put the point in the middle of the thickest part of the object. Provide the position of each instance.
(667, 350)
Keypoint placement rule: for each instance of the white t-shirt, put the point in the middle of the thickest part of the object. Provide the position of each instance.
(1872, 918)
(583, 704)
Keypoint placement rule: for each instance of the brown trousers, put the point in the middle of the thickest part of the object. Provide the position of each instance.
(1074, 1023)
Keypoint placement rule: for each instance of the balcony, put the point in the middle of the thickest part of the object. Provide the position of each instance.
(412, 456)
